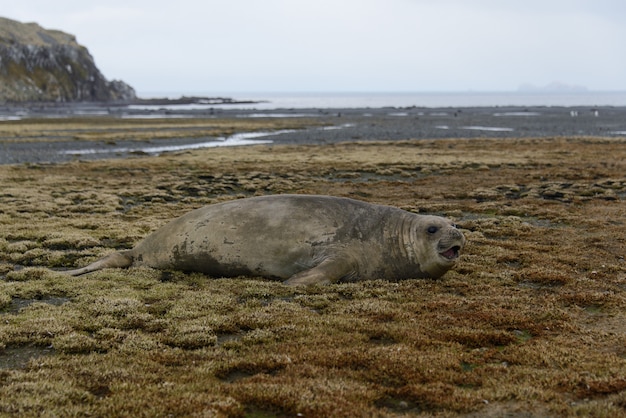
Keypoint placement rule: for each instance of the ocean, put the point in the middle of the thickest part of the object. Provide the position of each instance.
(272, 101)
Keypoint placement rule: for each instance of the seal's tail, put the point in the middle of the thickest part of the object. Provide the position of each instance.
(115, 260)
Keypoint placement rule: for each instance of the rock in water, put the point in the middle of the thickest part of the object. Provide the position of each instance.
(37, 64)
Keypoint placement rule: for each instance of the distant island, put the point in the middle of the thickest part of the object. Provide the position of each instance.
(183, 100)
(554, 87)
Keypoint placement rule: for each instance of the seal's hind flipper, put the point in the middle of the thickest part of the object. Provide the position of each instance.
(116, 260)
(328, 271)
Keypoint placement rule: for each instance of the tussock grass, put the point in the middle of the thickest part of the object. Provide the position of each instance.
(110, 129)
(532, 322)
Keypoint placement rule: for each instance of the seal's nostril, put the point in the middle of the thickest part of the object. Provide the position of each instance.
(455, 233)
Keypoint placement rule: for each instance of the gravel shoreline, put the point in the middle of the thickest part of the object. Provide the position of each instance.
(383, 124)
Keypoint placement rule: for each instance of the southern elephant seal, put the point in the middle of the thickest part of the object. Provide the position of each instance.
(302, 239)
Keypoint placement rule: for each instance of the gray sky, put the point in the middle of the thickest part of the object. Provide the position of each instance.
(343, 45)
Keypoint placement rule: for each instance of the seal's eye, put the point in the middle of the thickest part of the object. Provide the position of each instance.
(432, 229)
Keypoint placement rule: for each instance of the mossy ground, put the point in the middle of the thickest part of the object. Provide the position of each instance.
(531, 323)
(109, 130)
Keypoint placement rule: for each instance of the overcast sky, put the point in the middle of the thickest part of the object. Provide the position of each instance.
(234, 46)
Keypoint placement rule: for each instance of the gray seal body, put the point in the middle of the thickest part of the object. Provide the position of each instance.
(301, 239)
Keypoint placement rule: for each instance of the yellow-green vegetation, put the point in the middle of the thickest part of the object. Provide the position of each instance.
(12, 31)
(110, 129)
(531, 323)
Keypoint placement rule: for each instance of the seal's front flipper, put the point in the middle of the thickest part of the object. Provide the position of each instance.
(115, 260)
(328, 271)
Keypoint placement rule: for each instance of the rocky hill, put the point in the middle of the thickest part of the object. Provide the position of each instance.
(37, 64)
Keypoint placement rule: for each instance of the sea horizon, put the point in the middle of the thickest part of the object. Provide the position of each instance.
(337, 100)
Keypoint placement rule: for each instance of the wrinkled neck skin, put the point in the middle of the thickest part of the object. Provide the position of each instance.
(402, 238)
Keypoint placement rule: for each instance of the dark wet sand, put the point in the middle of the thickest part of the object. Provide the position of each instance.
(341, 125)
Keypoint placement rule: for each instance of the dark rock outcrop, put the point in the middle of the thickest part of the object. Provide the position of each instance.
(37, 64)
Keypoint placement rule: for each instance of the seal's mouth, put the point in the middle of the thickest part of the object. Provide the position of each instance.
(451, 253)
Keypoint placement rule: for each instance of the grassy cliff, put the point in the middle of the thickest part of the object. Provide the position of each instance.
(37, 64)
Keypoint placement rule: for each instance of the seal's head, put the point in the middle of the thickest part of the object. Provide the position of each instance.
(442, 243)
